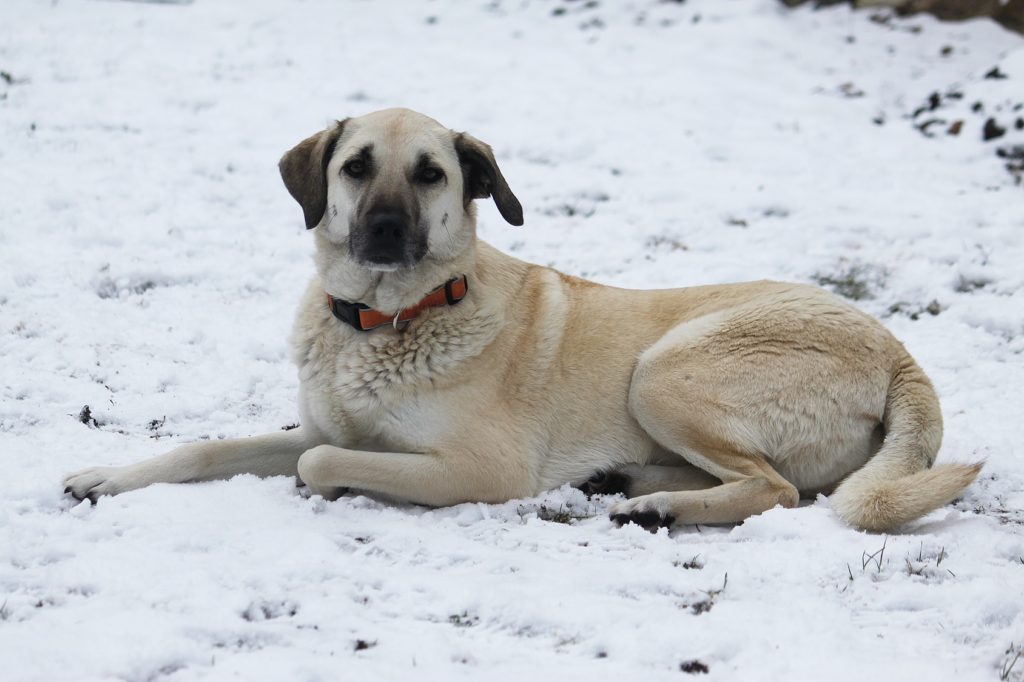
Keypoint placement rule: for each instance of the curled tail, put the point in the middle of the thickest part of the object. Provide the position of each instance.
(898, 484)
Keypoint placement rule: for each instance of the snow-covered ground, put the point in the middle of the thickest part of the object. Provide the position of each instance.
(151, 261)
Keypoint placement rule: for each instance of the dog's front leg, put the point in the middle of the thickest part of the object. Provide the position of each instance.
(273, 454)
(434, 479)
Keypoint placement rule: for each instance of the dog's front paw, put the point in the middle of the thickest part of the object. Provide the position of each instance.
(94, 482)
(649, 511)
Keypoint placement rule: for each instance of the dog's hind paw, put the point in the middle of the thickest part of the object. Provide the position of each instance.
(605, 483)
(650, 520)
(643, 511)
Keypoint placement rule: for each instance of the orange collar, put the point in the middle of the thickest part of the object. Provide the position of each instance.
(364, 318)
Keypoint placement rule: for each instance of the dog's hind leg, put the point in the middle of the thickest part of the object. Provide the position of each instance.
(748, 486)
(689, 405)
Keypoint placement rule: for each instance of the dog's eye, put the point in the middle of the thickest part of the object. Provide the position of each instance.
(355, 168)
(430, 175)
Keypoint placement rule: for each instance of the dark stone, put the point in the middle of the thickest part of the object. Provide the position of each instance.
(992, 130)
(694, 667)
(995, 74)
(1014, 153)
(85, 416)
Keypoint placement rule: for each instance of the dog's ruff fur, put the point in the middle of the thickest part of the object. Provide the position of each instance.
(710, 404)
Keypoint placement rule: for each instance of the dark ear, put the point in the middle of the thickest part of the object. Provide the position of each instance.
(482, 178)
(304, 171)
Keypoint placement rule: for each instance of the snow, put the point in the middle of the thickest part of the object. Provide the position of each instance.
(150, 264)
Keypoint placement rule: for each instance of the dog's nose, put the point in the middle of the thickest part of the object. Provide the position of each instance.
(386, 226)
(384, 237)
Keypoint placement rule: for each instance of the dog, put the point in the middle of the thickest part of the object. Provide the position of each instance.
(436, 370)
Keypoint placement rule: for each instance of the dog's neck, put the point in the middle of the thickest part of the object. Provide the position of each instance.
(387, 291)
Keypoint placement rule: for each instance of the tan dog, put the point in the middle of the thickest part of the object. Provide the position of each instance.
(483, 378)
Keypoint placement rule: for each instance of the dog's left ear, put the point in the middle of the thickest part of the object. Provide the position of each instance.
(482, 178)
(304, 171)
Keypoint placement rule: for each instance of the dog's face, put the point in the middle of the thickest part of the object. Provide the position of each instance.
(394, 187)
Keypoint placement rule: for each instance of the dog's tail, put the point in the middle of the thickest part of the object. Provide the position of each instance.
(898, 484)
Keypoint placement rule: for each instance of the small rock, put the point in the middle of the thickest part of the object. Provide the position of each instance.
(694, 667)
(850, 90)
(992, 130)
(1014, 153)
(85, 416)
(996, 74)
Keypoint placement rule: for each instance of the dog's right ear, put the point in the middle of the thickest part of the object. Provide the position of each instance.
(304, 171)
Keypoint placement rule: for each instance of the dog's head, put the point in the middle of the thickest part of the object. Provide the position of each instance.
(394, 187)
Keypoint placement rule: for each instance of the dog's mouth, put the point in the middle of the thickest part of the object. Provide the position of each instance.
(382, 264)
(388, 261)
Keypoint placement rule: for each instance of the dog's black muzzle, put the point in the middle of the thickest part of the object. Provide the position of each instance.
(386, 238)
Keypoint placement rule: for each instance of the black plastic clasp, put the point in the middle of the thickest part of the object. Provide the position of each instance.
(348, 313)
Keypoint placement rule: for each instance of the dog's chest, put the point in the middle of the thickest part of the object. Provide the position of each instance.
(383, 390)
